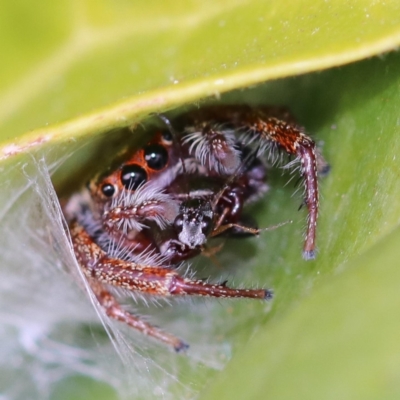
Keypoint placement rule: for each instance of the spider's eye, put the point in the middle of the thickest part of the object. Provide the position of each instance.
(206, 225)
(108, 189)
(178, 223)
(156, 156)
(167, 137)
(132, 176)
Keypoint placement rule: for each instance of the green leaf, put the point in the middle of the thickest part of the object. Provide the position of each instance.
(69, 58)
(103, 65)
(341, 342)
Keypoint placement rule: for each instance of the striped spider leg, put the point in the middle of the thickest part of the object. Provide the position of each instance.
(157, 280)
(218, 134)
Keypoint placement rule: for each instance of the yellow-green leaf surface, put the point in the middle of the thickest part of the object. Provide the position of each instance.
(85, 68)
(65, 59)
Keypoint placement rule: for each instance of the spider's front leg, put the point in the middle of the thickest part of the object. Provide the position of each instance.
(100, 269)
(114, 310)
(270, 129)
(291, 138)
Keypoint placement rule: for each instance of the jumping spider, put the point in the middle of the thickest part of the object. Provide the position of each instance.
(135, 224)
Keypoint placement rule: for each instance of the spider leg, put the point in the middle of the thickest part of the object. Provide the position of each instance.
(270, 128)
(149, 279)
(223, 228)
(292, 140)
(114, 310)
(128, 211)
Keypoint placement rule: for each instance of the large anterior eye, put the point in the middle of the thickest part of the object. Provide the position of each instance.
(156, 156)
(132, 176)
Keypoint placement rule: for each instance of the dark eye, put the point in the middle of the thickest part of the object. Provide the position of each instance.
(132, 176)
(206, 225)
(178, 223)
(108, 190)
(167, 137)
(156, 156)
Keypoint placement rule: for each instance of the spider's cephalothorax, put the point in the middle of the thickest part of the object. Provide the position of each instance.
(188, 184)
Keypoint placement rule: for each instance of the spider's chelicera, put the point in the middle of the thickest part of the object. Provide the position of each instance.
(190, 183)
